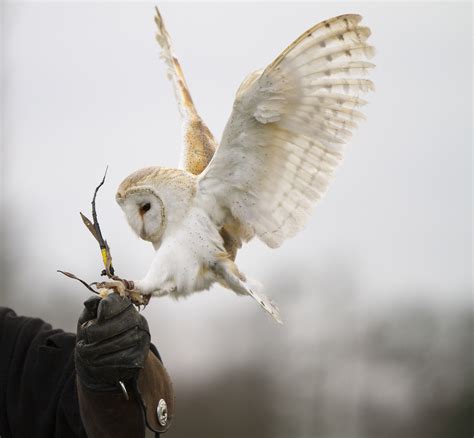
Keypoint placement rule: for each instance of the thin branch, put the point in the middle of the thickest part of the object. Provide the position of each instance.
(95, 230)
(68, 274)
(116, 285)
(101, 240)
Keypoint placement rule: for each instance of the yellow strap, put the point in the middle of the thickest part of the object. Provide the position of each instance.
(104, 256)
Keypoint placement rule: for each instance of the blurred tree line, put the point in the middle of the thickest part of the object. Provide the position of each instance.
(339, 368)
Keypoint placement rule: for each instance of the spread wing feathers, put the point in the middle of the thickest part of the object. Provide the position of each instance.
(199, 144)
(286, 133)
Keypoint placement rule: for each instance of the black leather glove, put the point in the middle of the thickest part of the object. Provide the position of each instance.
(112, 343)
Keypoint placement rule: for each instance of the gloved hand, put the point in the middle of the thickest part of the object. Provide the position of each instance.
(112, 343)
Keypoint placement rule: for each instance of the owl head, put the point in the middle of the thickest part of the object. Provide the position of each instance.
(154, 197)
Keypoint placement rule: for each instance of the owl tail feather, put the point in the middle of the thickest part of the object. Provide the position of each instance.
(233, 279)
(254, 289)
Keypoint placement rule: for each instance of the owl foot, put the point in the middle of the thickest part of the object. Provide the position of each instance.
(124, 288)
(115, 285)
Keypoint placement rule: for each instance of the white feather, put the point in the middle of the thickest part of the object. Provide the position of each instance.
(280, 148)
(286, 133)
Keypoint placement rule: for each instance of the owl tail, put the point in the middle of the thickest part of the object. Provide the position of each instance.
(235, 281)
(254, 289)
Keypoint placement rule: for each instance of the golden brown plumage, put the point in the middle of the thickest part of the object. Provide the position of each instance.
(279, 150)
(199, 143)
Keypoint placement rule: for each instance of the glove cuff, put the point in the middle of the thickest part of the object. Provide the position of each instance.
(156, 395)
(150, 402)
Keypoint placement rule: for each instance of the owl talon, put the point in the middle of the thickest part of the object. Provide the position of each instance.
(138, 298)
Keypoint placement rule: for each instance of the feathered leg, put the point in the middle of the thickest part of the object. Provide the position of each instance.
(234, 280)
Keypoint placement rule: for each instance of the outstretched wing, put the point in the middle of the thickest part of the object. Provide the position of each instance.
(199, 144)
(285, 136)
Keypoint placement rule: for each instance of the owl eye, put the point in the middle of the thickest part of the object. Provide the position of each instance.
(144, 208)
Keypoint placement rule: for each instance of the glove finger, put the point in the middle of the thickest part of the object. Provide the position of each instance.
(97, 378)
(107, 377)
(90, 309)
(112, 305)
(123, 350)
(101, 331)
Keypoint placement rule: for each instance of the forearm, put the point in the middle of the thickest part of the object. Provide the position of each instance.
(150, 402)
(37, 380)
(109, 414)
(156, 394)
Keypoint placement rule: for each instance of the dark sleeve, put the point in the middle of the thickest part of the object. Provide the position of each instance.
(38, 396)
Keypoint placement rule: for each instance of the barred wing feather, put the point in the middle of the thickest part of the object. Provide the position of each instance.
(198, 142)
(286, 134)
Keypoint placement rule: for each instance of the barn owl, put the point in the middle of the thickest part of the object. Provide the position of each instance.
(281, 145)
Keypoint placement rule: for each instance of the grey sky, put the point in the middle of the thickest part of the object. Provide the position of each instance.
(369, 337)
(85, 88)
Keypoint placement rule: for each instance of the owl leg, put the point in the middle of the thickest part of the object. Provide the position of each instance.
(145, 288)
(236, 281)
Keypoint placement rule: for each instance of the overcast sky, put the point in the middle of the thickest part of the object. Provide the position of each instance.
(85, 88)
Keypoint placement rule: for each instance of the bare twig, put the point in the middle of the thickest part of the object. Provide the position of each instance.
(68, 274)
(94, 228)
(118, 285)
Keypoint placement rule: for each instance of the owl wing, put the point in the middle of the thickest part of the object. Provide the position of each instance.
(286, 133)
(199, 144)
